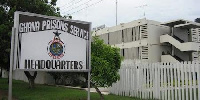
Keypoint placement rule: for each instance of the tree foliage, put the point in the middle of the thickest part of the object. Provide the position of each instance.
(105, 63)
(7, 9)
(197, 20)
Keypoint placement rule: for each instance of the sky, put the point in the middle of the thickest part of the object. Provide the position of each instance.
(101, 12)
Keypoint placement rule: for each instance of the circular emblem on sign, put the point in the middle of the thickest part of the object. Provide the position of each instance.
(56, 47)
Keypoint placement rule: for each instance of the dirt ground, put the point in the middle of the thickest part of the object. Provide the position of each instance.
(4, 95)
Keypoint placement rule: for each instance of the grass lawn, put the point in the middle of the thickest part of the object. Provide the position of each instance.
(44, 92)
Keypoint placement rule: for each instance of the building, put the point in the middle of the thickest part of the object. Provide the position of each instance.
(145, 40)
(152, 41)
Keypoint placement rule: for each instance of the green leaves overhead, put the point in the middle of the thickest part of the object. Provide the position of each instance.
(7, 9)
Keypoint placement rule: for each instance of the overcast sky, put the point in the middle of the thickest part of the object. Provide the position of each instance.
(101, 12)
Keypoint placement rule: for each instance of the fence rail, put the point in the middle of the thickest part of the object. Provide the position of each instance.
(164, 81)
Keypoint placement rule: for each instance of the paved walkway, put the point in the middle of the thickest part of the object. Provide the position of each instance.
(103, 90)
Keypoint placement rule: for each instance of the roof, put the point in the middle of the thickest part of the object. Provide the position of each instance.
(188, 25)
(174, 22)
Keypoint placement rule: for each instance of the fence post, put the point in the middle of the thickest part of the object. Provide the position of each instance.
(155, 83)
(179, 80)
(194, 79)
(135, 81)
(162, 80)
(190, 80)
(158, 80)
(175, 78)
(198, 75)
(186, 79)
(171, 66)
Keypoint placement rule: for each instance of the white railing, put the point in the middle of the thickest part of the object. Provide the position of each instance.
(187, 46)
(163, 81)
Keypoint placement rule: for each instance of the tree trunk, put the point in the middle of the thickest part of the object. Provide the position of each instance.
(31, 78)
(31, 83)
(98, 91)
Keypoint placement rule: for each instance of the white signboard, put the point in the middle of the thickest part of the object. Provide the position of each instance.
(49, 43)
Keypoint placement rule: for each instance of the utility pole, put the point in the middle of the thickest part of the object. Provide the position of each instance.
(116, 12)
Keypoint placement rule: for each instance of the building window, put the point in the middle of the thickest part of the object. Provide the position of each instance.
(123, 54)
(132, 33)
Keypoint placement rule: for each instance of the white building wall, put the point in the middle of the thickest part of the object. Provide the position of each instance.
(42, 77)
(155, 52)
(104, 37)
(135, 38)
(129, 34)
(115, 37)
(4, 73)
(120, 27)
(140, 39)
(155, 31)
(131, 53)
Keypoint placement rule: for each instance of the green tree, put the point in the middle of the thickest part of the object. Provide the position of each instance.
(5, 34)
(105, 63)
(197, 20)
(7, 9)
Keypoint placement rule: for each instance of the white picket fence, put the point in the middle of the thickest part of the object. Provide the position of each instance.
(162, 81)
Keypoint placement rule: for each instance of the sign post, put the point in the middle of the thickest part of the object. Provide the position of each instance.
(47, 43)
(88, 86)
(11, 64)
